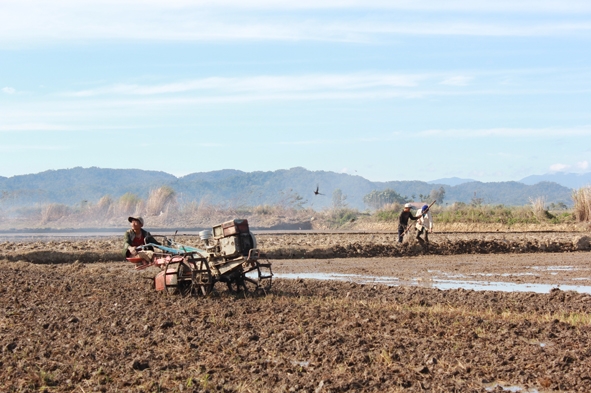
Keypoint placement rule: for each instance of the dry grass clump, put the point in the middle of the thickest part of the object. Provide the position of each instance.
(205, 212)
(538, 206)
(160, 201)
(582, 200)
(54, 212)
(104, 205)
(129, 204)
(264, 210)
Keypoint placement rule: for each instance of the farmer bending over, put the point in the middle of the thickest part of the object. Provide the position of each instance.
(403, 221)
(424, 223)
(136, 237)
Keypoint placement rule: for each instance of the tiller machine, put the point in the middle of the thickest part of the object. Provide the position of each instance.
(230, 256)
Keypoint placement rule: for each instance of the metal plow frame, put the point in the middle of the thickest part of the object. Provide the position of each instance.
(186, 271)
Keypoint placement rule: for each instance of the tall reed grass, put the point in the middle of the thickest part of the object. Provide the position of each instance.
(130, 205)
(160, 201)
(582, 200)
(538, 206)
(54, 212)
(163, 209)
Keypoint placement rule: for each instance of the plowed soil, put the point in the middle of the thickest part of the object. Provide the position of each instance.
(75, 319)
(312, 245)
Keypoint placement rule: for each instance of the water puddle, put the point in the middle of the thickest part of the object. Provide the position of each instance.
(356, 278)
(437, 283)
(455, 275)
(517, 389)
(507, 286)
(551, 268)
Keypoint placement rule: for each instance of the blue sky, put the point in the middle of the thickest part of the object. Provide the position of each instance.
(388, 90)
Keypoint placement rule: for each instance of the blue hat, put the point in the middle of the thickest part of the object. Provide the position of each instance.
(425, 207)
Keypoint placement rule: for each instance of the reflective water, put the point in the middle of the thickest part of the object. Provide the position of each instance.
(549, 268)
(437, 283)
(516, 389)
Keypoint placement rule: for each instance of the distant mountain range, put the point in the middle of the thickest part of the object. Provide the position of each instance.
(570, 180)
(237, 188)
(451, 181)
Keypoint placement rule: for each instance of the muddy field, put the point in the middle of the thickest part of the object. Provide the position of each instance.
(71, 324)
(308, 245)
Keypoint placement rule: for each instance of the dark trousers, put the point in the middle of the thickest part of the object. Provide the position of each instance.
(401, 229)
(419, 233)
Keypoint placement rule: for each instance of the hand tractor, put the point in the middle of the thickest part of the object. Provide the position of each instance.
(230, 256)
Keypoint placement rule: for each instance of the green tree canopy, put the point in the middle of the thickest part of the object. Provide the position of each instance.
(377, 199)
(338, 199)
(437, 195)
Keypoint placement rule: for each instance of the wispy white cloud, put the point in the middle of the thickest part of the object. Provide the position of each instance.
(508, 132)
(474, 27)
(267, 84)
(558, 168)
(528, 6)
(15, 148)
(8, 90)
(580, 166)
(457, 80)
(19, 127)
(37, 21)
(315, 87)
(339, 141)
(35, 127)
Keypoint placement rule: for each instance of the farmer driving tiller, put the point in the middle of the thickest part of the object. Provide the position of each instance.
(230, 256)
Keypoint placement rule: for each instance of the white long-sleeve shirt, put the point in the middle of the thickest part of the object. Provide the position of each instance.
(425, 221)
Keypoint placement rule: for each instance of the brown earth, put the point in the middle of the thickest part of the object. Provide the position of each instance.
(85, 327)
(298, 245)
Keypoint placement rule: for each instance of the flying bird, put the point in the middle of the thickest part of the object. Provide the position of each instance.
(316, 192)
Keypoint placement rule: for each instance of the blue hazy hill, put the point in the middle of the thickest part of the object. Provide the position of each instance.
(451, 181)
(238, 188)
(570, 180)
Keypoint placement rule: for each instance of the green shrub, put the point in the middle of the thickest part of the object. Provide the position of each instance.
(499, 214)
(339, 217)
